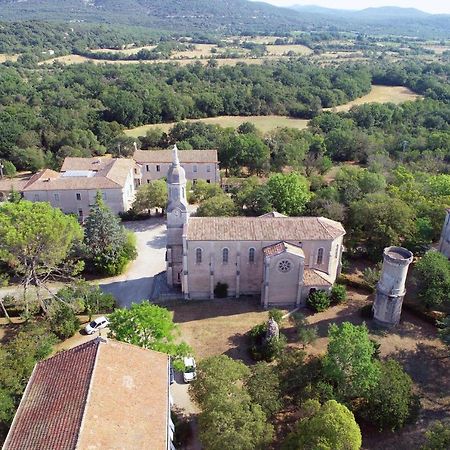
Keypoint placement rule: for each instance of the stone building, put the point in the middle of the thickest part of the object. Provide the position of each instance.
(197, 164)
(280, 258)
(391, 290)
(444, 243)
(74, 188)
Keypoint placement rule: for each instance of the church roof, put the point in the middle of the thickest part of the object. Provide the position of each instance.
(165, 156)
(313, 277)
(281, 247)
(272, 214)
(262, 229)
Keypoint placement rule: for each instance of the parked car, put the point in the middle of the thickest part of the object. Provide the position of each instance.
(96, 324)
(190, 372)
(171, 374)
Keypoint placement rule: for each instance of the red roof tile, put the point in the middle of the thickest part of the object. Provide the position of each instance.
(50, 414)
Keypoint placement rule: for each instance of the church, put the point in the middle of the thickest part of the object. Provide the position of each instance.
(281, 259)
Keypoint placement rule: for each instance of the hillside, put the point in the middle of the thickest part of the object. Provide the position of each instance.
(227, 16)
(384, 20)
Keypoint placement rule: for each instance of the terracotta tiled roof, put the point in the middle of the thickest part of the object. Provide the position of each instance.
(262, 229)
(272, 214)
(98, 163)
(165, 156)
(313, 277)
(104, 392)
(110, 173)
(16, 184)
(51, 410)
(281, 247)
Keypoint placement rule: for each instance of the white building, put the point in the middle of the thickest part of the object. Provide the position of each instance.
(73, 190)
(197, 164)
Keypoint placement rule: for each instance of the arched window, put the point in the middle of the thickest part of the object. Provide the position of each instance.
(198, 255)
(319, 256)
(251, 255)
(225, 253)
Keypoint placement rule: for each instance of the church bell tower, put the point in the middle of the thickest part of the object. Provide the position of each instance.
(177, 217)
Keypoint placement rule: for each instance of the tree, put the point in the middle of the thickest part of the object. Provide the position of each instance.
(289, 193)
(149, 326)
(437, 437)
(228, 413)
(378, 220)
(217, 376)
(306, 334)
(87, 298)
(107, 246)
(331, 426)
(391, 402)
(63, 321)
(217, 206)
(37, 242)
(349, 363)
(202, 190)
(433, 279)
(151, 195)
(263, 386)
(9, 169)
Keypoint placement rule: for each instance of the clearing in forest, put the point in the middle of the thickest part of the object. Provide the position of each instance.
(263, 123)
(380, 94)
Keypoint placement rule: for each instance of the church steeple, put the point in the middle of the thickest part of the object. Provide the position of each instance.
(177, 217)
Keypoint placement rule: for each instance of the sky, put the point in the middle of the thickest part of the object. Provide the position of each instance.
(431, 6)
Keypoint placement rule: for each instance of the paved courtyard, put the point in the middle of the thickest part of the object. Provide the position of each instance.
(136, 283)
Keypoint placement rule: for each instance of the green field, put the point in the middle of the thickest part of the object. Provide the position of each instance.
(263, 123)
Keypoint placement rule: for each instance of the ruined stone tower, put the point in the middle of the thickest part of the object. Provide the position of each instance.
(390, 292)
(177, 217)
(444, 243)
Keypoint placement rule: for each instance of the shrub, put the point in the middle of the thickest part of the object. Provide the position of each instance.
(276, 315)
(306, 333)
(437, 437)
(63, 321)
(221, 290)
(318, 301)
(372, 275)
(262, 349)
(9, 169)
(338, 294)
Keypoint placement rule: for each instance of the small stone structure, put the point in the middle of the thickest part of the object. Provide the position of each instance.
(273, 331)
(444, 243)
(390, 291)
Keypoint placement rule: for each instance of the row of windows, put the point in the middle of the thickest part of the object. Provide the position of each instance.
(251, 255)
(225, 255)
(56, 197)
(158, 168)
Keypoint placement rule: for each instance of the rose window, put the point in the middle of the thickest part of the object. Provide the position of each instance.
(284, 266)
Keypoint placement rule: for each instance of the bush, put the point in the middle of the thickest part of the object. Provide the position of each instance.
(306, 333)
(262, 349)
(372, 275)
(437, 437)
(63, 321)
(277, 315)
(318, 301)
(221, 290)
(9, 169)
(338, 294)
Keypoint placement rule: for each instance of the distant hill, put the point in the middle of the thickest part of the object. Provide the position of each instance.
(227, 16)
(384, 20)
